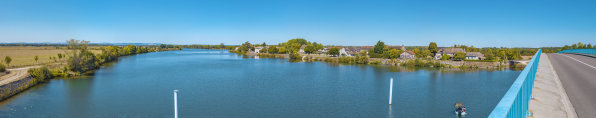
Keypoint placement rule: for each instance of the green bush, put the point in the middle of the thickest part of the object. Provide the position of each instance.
(59, 73)
(438, 64)
(40, 74)
(445, 57)
(2, 67)
(374, 62)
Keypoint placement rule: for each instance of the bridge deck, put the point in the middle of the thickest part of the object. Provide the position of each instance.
(578, 76)
(550, 99)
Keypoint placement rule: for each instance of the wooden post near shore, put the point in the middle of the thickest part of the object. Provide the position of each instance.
(390, 90)
(175, 103)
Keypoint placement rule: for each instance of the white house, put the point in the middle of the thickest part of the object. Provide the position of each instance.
(324, 50)
(302, 49)
(448, 51)
(407, 55)
(352, 51)
(257, 49)
(474, 56)
(342, 50)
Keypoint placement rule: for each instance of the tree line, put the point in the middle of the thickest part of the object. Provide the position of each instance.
(579, 45)
(80, 59)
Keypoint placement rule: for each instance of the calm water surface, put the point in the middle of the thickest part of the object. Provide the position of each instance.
(215, 84)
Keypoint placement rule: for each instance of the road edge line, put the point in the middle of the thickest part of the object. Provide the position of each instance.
(565, 99)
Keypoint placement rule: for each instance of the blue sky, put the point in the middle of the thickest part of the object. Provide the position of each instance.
(342, 22)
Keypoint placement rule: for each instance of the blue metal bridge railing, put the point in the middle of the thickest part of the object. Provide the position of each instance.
(516, 101)
(582, 51)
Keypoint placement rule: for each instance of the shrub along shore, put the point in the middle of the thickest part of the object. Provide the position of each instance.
(382, 61)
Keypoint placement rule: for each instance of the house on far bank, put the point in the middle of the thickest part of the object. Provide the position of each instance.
(366, 48)
(342, 50)
(236, 47)
(323, 51)
(352, 51)
(302, 49)
(257, 49)
(474, 56)
(448, 51)
(407, 55)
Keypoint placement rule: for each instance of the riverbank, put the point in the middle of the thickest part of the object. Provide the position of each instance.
(18, 80)
(398, 62)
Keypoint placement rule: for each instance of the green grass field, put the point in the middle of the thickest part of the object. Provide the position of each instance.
(23, 55)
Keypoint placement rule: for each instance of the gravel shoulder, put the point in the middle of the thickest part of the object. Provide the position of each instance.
(14, 75)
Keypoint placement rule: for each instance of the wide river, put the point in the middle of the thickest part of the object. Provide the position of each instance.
(215, 83)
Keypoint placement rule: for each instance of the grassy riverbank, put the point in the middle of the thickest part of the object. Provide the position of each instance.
(78, 59)
(23, 56)
(474, 64)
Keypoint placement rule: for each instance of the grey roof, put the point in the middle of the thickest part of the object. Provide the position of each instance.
(303, 46)
(396, 47)
(477, 54)
(352, 49)
(451, 50)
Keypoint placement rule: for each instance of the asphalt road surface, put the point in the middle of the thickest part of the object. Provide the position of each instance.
(578, 76)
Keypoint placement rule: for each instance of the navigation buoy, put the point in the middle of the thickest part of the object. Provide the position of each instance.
(390, 90)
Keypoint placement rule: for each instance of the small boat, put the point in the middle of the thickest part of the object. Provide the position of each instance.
(460, 109)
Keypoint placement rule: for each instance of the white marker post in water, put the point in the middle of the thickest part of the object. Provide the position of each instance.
(390, 91)
(175, 103)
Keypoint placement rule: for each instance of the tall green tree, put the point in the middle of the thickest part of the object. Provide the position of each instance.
(433, 48)
(299, 41)
(80, 59)
(7, 60)
(282, 50)
(417, 51)
(309, 49)
(334, 51)
(295, 47)
(511, 55)
(580, 45)
(489, 54)
(425, 53)
(264, 44)
(272, 50)
(393, 53)
(379, 47)
(459, 56)
(320, 46)
(221, 46)
(35, 58)
(59, 56)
